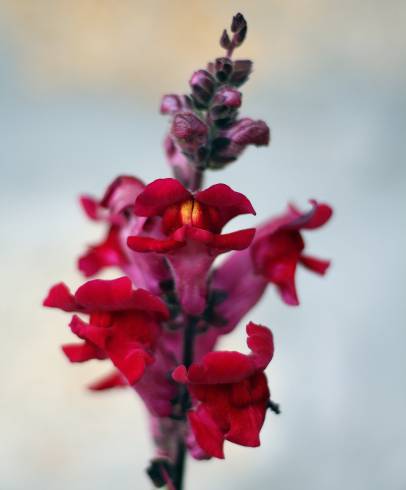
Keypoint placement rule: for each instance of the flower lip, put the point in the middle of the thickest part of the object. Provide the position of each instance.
(209, 209)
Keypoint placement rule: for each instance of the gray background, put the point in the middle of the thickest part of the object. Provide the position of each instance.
(80, 83)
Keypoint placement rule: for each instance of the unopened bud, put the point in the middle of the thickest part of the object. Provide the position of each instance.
(223, 68)
(241, 71)
(239, 27)
(225, 41)
(241, 134)
(225, 104)
(248, 132)
(171, 103)
(189, 131)
(202, 84)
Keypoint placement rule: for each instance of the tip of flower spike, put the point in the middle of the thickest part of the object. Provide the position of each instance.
(239, 28)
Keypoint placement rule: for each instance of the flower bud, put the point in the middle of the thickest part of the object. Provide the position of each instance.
(225, 41)
(172, 103)
(233, 141)
(225, 104)
(239, 27)
(248, 132)
(202, 84)
(189, 131)
(241, 71)
(223, 68)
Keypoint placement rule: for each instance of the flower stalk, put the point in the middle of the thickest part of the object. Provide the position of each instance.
(158, 324)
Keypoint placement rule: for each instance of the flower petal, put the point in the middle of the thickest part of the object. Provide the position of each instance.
(60, 297)
(314, 264)
(146, 244)
(158, 195)
(208, 435)
(82, 352)
(228, 202)
(113, 380)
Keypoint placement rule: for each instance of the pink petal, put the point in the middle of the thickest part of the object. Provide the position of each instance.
(91, 207)
(121, 193)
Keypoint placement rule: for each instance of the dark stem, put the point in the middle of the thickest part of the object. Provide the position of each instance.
(188, 344)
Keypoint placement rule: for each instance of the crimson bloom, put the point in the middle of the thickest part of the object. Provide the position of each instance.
(191, 227)
(124, 326)
(230, 392)
(115, 209)
(279, 246)
(119, 196)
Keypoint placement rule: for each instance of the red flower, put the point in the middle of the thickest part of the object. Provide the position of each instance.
(279, 245)
(124, 326)
(115, 208)
(119, 196)
(191, 232)
(231, 393)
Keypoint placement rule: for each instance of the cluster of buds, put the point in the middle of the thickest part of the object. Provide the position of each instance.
(206, 129)
(159, 322)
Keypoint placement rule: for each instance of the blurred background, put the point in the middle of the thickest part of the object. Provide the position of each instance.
(80, 86)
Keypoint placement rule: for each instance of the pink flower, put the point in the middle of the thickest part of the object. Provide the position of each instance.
(116, 210)
(279, 245)
(230, 393)
(191, 227)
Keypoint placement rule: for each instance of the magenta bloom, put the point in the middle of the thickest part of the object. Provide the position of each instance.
(191, 227)
(124, 326)
(230, 393)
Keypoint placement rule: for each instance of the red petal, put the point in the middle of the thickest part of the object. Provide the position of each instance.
(60, 297)
(260, 341)
(130, 363)
(207, 433)
(145, 301)
(91, 207)
(245, 425)
(158, 195)
(113, 380)
(105, 254)
(319, 266)
(145, 244)
(82, 352)
(105, 295)
(94, 335)
(237, 240)
(316, 217)
(322, 213)
(228, 202)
